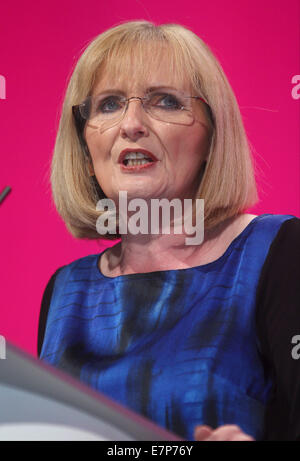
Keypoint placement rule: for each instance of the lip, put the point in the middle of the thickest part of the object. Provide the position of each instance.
(143, 151)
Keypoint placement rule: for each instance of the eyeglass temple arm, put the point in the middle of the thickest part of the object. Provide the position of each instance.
(208, 107)
(80, 124)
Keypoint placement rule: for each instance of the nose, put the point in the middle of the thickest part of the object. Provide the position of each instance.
(133, 123)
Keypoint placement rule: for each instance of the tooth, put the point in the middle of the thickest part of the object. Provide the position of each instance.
(134, 162)
(135, 155)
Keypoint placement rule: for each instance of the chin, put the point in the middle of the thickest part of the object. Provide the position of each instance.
(139, 193)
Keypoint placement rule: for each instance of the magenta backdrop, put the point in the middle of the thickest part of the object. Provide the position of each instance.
(257, 44)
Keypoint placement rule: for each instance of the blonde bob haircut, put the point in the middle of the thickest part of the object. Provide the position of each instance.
(227, 185)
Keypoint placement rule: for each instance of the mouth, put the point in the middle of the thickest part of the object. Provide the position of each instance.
(136, 159)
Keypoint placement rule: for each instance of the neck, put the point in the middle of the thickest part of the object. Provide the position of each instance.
(148, 253)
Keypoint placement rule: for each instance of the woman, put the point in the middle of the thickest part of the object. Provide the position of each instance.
(182, 333)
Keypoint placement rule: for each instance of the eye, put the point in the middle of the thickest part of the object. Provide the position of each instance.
(108, 104)
(166, 101)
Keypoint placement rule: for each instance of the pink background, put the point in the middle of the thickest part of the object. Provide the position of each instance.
(257, 44)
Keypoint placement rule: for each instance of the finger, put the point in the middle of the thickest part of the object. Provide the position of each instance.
(243, 438)
(228, 433)
(202, 432)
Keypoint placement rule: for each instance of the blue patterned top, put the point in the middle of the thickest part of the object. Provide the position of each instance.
(178, 346)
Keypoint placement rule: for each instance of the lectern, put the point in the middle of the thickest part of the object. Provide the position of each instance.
(40, 402)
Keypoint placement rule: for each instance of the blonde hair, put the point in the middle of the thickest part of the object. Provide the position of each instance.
(227, 185)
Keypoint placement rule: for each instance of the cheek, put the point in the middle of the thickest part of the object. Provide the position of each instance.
(190, 148)
(173, 140)
(97, 147)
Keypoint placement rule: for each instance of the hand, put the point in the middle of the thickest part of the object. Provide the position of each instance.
(223, 433)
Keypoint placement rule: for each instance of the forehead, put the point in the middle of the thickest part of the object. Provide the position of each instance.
(138, 69)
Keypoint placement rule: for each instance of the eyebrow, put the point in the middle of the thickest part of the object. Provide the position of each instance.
(148, 90)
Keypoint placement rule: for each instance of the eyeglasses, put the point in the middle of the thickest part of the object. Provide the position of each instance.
(105, 111)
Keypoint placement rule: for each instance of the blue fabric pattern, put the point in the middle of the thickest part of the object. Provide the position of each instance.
(177, 346)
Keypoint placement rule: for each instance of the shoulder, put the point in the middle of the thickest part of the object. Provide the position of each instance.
(274, 230)
(258, 232)
(85, 262)
(81, 266)
(289, 232)
(262, 224)
(57, 281)
(269, 220)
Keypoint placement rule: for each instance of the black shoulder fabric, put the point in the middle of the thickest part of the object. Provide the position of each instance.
(278, 322)
(44, 310)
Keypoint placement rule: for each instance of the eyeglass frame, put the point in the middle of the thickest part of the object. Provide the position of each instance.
(80, 121)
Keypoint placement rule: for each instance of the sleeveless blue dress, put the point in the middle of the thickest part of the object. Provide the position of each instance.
(177, 346)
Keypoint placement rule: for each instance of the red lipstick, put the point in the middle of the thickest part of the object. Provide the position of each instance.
(152, 159)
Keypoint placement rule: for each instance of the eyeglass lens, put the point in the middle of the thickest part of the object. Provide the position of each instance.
(172, 107)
